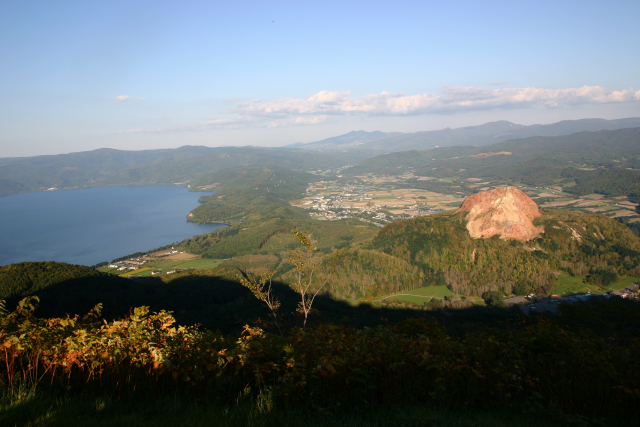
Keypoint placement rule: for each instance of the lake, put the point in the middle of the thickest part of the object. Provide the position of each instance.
(92, 225)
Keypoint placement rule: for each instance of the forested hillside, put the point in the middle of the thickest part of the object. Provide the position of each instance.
(27, 278)
(543, 156)
(115, 167)
(611, 182)
(617, 148)
(254, 201)
(363, 273)
(574, 161)
(580, 244)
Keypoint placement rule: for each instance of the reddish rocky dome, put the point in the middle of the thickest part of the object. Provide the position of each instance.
(504, 211)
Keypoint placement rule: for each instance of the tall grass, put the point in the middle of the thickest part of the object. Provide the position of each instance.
(528, 366)
(45, 409)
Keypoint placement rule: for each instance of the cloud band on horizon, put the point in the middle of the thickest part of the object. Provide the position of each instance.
(325, 104)
(451, 99)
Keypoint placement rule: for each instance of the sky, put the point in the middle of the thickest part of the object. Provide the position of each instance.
(134, 75)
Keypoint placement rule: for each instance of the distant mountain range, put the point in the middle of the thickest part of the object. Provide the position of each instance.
(605, 162)
(353, 139)
(105, 166)
(602, 149)
(488, 133)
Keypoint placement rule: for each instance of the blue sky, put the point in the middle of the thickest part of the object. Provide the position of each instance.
(82, 75)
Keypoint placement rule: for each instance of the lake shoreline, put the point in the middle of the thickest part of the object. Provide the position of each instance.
(92, 225)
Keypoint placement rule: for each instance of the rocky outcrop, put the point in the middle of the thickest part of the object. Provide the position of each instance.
(505, 211)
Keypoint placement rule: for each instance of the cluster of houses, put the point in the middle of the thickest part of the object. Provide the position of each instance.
(129, 264)
(354, 197)
(137, 263)
(542, 304)
(628, 292)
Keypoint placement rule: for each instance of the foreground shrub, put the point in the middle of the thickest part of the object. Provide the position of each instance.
(532, 363)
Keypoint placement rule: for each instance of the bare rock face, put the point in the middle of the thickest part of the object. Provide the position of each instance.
(504, 211)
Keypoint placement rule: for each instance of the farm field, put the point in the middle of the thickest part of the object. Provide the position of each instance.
(568, 285)
(166, 264)
(424, 294)
(163, 265)
(612, 207)
(134, 272)
(199, 263)
(624, 282)
(432, 292)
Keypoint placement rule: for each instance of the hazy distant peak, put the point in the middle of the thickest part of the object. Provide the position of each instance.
(365, 133)
(487, 133)
(352, 139)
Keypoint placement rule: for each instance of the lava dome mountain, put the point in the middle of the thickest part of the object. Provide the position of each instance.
(505, 211)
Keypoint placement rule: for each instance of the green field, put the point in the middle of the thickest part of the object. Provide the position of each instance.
(210, 266)
(568, 285)
(424, 294)
(165, 264)
(199, 263)
(624, 282)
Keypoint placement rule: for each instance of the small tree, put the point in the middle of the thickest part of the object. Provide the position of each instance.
(261, 289)
(522, 288)
(307, 269)
(434, 304)
(493, 299)
(601, 276)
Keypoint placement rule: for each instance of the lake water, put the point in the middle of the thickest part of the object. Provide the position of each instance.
(92, 225)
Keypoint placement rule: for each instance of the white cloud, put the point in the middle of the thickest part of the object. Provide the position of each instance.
(449, 100)
(230, 123)
(330, 105)
(123, 98)
(297, 121)
(238, 123)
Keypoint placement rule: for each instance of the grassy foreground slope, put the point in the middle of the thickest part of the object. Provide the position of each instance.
(53, 410)
(506, 367)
